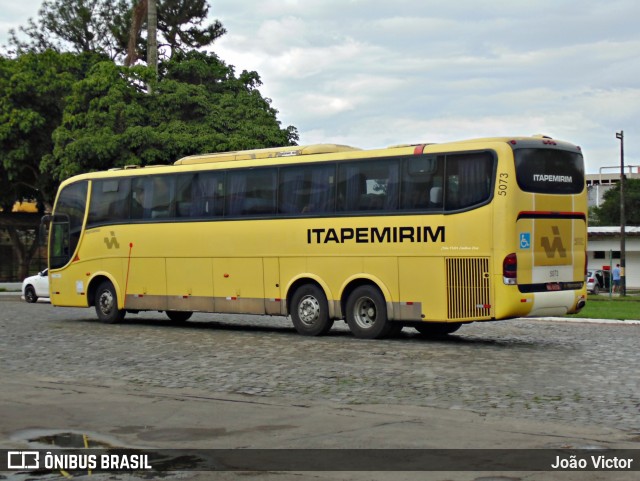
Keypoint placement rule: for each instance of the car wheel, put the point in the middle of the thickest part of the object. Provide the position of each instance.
(310, 311)
(30, 295)
(367, 313)
(107, 304)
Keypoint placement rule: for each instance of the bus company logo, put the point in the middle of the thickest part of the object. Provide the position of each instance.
(567, 179)
(112, 241)
(375, 235)
(23, 460)
(551, 247)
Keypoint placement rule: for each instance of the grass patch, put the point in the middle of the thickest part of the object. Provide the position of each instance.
(626, 308)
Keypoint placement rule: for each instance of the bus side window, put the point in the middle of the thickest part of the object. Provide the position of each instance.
(422, 183)
(322, 189)
(163, 197)
(369, 186)
(184, 201)
(468, 179)
(308, 189)
(292, 187)
(140, 200)
(109, 201)
(251, 192)
(206, 195)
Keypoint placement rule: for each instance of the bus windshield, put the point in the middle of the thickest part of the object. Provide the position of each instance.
(66, 225)
(549, 171)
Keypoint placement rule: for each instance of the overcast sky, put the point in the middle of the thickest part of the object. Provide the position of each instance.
(372, 73)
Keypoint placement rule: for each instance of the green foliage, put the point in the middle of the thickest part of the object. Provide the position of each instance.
(104, 26)
(75, 26)
(180, 23)
(198, 105)
(66, 113)
(33, 89)
(608, 214)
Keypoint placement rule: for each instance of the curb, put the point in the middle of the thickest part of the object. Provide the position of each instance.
(586, 320)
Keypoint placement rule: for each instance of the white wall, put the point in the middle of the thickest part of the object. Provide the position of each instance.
(632, 261)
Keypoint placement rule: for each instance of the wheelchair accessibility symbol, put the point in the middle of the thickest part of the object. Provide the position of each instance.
(525, 240)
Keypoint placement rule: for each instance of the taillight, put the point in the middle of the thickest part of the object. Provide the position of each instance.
(510, 269)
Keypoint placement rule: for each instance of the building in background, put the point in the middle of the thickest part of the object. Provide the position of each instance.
(603, 250)
(598, 184)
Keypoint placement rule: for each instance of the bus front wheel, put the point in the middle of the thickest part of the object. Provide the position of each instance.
(367, 313)
(107, 304)
(310, 311)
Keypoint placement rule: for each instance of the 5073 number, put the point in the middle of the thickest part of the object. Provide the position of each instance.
(503, 183)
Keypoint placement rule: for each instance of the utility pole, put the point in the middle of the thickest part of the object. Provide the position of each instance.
(152, 37)
(623, 282)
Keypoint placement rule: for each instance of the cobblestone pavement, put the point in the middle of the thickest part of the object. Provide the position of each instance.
(534, 369)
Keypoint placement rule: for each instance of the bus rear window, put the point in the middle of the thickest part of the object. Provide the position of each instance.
(549, 171)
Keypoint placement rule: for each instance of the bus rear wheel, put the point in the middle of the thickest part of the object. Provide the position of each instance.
(310, 311)
(437, 329)
(107, 304)
(179, 316)
(367, 313)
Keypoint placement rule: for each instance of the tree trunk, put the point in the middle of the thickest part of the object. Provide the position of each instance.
(139, 14)
(22, 252)
(152, 34)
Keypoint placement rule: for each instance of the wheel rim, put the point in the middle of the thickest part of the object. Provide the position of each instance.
(106, 302)
(309, 310)
(365, 313)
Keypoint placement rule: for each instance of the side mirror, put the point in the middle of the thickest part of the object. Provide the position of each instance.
(43, 231)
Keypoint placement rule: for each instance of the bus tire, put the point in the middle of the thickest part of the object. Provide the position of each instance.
(310, 311)
(367, 313)
(179, 316)
(107, 304)
(437, 329)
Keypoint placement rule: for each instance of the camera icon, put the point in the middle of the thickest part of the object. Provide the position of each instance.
(23, 460)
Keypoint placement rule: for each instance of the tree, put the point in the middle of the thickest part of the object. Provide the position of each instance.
(66, 113)
(608, 214)
(114, 28)
(74, 26)
(33, 89)
(180, 27)
(180, 22)
(199, 105)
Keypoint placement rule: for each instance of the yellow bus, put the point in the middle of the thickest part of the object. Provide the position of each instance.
(429, 236)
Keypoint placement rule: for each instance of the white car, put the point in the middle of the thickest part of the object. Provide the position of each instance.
(36, 286)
